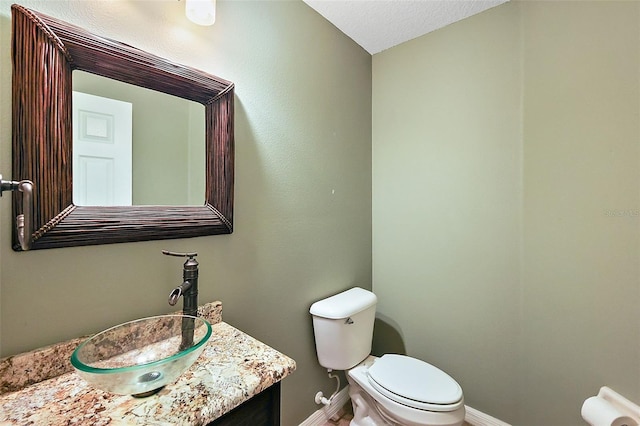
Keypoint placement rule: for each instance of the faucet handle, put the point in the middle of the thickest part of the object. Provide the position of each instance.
(173, 253)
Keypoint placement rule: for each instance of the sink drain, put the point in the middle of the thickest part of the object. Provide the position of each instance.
(150, 377)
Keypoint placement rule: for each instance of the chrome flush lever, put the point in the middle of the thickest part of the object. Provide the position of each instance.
(23, 220)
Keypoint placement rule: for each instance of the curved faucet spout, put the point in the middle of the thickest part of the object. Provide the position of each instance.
(174, 296)
(178, 291)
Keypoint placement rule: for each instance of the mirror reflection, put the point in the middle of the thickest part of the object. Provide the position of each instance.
(135, 146)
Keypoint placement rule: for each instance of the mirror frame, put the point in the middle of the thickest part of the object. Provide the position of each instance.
(45, 52)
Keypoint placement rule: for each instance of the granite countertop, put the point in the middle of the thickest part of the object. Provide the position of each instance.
(232, 368)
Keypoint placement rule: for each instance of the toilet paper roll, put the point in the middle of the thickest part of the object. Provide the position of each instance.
(599, 412)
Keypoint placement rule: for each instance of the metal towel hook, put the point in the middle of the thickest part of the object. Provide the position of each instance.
(23, 220)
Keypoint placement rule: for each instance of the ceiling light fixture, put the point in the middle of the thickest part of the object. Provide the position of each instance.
(201, 12)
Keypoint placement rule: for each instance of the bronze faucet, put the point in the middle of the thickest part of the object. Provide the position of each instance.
(189, 292)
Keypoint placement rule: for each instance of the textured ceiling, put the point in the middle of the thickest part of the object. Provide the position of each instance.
(377, 25)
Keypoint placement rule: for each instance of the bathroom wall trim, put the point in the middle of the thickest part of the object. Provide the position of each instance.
(478, 418)
(321, 416)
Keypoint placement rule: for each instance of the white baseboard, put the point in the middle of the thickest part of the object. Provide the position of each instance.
(478, 418)
(321, 416)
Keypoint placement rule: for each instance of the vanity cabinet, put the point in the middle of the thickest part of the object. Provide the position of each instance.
(261, 410)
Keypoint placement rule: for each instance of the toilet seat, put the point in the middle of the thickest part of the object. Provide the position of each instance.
(415, 383)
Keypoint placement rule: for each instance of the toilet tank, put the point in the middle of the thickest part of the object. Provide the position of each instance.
(343, 328)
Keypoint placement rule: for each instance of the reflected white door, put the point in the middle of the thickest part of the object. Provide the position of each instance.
(102, 129)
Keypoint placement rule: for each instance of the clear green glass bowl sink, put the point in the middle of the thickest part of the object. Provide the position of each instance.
(140, 357)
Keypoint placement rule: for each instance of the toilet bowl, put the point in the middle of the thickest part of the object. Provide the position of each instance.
(389, 390)
(400, 390)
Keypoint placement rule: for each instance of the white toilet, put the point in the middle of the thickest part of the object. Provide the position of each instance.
(392, 389)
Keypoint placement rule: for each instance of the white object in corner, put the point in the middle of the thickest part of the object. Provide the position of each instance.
(320, 417)
(610, 408)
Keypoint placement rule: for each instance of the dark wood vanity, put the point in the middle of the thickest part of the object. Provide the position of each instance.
(261, 410)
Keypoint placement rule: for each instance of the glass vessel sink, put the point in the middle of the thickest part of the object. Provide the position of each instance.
(140, 357)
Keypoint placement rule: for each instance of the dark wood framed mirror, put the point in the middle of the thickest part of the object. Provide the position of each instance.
(45, 52)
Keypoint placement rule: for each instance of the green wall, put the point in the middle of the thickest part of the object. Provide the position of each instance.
(302, 189)
(506, 184)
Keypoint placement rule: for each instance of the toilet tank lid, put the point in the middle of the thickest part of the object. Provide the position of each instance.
(345, 304)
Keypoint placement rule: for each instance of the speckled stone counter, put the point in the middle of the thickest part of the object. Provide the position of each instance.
(232, 368)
